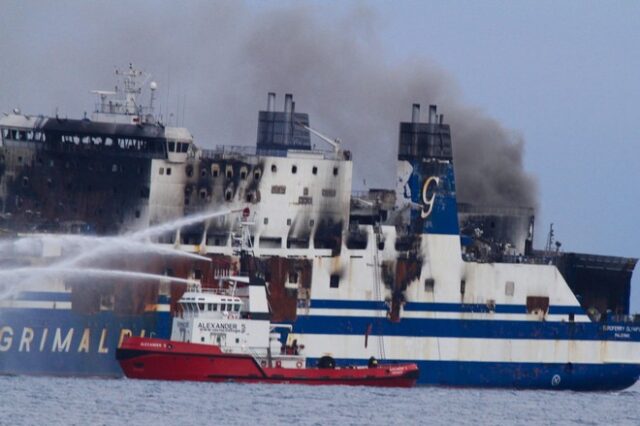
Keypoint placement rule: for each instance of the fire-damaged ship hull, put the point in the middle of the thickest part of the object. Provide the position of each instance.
(400, 275)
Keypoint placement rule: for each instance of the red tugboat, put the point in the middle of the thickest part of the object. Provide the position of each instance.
(225, 334)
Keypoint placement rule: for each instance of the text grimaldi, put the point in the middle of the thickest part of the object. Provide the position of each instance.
(58, 339)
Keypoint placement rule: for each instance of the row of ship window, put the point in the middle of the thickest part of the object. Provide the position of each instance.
(211, 307)
(289, 222)
(100, 167)
(123, 143)
(429, 284)
(27, 135)
(177, 146)
(294, 169)
(257, 173)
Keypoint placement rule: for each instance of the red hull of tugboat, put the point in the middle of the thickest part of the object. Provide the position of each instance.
(157, 359)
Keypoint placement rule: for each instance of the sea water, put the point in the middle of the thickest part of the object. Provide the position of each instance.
(72, 401)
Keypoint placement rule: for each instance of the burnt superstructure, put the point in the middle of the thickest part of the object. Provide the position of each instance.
(88, 175)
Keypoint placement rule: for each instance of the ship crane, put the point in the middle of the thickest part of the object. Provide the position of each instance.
(335, 143)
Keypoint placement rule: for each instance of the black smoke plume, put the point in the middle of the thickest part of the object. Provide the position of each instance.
(215, 62)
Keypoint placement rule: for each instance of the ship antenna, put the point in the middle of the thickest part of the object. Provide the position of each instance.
(153, 86)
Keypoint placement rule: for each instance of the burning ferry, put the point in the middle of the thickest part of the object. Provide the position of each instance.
(402, 275)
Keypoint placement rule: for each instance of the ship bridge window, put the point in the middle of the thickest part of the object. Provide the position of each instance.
(201, 306)
(229, 307)
(172, 146)
(236, 308)
(214, 307)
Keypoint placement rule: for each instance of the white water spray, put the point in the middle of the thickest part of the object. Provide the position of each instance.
(91, 248)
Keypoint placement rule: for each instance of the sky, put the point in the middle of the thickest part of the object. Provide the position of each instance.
(541, 95)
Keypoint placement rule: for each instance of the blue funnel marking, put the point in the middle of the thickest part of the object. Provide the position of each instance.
(432, 188)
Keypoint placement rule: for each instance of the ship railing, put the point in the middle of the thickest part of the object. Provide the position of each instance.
(218, 291)
(493, 257)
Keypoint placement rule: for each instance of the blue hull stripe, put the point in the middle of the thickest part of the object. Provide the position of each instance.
(439, 307)
(484, 329)
(581, 377)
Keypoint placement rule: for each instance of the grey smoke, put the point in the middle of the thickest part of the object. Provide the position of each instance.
(217, 61)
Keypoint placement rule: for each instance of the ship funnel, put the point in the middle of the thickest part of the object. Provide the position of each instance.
(271, 101)
(288, 99)
(432, 114)
(282, 130)
(415, 113)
